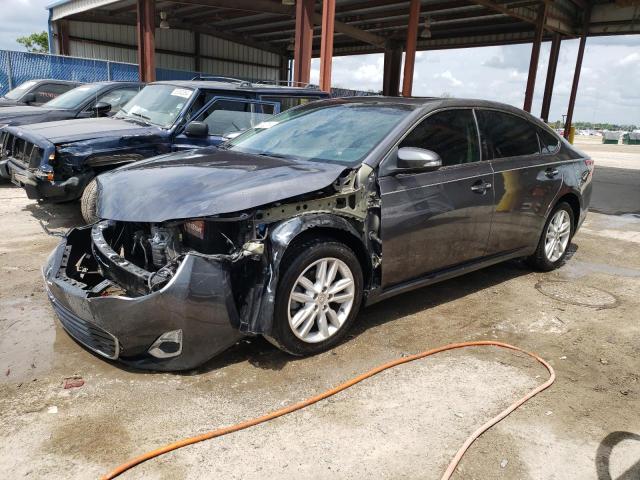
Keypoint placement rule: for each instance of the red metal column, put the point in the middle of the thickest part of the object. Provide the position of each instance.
(63, 37)
(576, 74)
(535, 56)
(392, 70)
(303, 41)
(554, 54)
(412, 42)
(326, 43)
(146, 28)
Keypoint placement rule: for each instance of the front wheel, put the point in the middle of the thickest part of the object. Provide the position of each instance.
(318, 297)
(88, 202)
(554, 242)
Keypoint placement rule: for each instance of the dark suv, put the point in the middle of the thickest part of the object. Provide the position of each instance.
(98, 99)
(57, 161)
(287, 229)
(36, 92)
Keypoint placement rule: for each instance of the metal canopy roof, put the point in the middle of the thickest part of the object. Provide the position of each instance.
(367, 26)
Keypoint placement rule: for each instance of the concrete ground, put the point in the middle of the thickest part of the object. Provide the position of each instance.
(405, 423)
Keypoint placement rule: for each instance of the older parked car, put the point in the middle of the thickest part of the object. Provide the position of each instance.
(36, 92)
(58, 161)
(286, 230)
(98, 99)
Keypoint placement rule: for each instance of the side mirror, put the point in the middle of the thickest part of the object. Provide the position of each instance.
(101, 108)
(418, 159)
(29, 98)
(196, 129)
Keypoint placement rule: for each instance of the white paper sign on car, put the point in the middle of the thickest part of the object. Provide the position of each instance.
(181, 92)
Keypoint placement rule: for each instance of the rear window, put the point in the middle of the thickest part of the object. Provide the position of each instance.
(20, 90)
(504, 135)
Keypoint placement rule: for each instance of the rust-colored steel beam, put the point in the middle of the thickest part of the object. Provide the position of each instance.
(551, 76)
(146, 40)
(576, 73)
(412, 42)
(535, 57)
(326, 43)
(62, 37)
(303, 45)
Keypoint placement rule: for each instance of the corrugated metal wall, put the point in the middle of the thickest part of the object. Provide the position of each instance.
(219, 57)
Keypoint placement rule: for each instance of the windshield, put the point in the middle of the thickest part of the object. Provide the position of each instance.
(339, 133)
(157, 104)
(20, 90)
(74, 98)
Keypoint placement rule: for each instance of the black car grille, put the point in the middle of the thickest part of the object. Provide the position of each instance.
(88, 334)
(22, 151)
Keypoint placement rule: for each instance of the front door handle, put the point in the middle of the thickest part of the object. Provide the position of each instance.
(481, 187)
(551, 172)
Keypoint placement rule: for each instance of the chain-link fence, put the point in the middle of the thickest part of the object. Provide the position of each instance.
(19, 67)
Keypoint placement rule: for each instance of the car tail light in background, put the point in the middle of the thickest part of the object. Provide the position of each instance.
(589, 163)
(195, 228)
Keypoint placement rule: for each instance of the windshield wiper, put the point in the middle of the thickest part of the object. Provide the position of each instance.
(144, 117)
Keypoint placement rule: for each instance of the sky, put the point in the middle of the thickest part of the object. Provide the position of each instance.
(609, 88)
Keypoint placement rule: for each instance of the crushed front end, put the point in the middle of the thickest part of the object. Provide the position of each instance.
(154, 296)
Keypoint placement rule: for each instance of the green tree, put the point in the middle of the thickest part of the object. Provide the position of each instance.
(36, 42)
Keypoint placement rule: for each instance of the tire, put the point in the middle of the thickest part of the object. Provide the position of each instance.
(306, 259)
(88, 202)
(542, 259)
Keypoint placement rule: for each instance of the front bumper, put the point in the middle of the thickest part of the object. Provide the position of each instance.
(40, 189)
(197, 300)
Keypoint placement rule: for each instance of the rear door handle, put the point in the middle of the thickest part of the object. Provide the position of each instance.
(481, 187)
(551, 172)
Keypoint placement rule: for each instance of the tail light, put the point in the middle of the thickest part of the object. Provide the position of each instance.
(589, 163)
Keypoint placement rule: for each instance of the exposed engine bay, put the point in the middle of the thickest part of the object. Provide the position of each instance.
(135, 259)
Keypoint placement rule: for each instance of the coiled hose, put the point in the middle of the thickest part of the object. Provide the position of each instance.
(348, 384)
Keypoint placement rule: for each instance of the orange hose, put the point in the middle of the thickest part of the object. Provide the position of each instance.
(328, 393)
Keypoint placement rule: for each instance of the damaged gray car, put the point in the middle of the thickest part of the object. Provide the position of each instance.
(286, 230)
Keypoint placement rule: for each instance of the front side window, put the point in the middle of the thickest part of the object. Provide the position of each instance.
(75, 98)
(342, 133)
(505, 135)
(118, 98)
(289, 102)
(451, 134)
(20, 90)
(157, 104)
(227, 116)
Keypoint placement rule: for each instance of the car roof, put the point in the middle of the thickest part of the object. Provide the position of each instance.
(433, 103)
(115, 82)
(244, 86)
(55, 80)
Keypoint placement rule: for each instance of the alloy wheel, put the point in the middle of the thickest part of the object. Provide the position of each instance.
(557, 237)
(321, 300)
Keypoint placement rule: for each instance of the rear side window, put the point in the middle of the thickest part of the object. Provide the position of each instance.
(451, 134)
(548, 142)
(289, 102)
(505, 135)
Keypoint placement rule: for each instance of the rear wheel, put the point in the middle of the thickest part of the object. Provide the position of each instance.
(318, 297)
(554, 242)
(88, 202)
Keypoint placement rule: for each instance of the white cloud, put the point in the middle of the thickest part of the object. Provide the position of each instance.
(447, 75)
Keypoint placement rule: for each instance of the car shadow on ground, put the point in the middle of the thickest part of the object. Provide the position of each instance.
(260, 353)
(56, 215)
